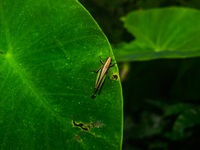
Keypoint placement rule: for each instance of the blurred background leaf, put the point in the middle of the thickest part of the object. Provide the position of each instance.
(161, 33)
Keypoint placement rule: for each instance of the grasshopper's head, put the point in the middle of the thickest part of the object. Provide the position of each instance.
(109, 59)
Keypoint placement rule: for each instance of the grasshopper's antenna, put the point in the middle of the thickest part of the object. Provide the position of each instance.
(113, 54)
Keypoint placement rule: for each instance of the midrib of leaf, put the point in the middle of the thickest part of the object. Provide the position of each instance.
(146, 38)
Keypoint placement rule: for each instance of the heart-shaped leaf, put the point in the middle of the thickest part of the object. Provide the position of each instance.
(161, 33)
(47, 49)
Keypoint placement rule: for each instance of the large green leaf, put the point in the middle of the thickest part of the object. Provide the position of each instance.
(47, 51)
(161, 33)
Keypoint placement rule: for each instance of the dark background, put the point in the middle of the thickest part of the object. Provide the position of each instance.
(161, 97)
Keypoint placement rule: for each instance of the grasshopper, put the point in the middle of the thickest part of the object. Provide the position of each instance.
(101, 76)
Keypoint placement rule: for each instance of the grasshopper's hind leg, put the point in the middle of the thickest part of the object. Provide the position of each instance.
(102, 82)
(108, 76)
(111, 65)
(96, 70)
(101, 60)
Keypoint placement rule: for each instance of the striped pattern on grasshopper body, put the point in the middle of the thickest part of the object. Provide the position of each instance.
(101, 74)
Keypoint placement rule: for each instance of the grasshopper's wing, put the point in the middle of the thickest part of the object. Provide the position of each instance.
(102, 82)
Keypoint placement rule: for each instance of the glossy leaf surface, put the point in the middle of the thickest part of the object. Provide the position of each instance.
(47, 51)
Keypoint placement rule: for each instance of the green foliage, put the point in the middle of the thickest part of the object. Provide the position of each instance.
(161, 95)
(188, 118)
(176, 109)
(47, 49)
(161, 33)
